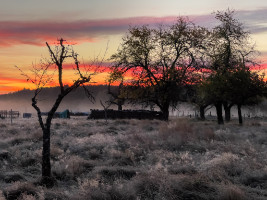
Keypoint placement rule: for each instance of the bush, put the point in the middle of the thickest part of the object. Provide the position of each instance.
(12, 177)
(70, 167)
(256, 181)
(232, 192)
(22, 190)
(113, 173)
(179, 133)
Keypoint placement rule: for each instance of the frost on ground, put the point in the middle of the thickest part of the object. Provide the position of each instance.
(133, 159)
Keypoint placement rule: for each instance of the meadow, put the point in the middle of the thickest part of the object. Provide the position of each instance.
(136, 159)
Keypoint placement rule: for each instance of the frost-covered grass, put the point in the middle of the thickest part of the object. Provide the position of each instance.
(133, 159)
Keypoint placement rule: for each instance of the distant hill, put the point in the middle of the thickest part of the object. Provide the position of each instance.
(75, 101)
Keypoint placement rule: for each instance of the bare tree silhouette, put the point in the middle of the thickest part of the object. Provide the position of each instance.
(58, 56)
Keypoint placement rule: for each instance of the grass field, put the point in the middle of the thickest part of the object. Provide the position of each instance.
(133, 159)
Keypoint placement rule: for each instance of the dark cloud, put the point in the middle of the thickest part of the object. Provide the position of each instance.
(37, 32)
(254, 20)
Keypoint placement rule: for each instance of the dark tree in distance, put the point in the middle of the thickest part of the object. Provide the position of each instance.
(161, 61)
(58, 57)
(229, 50)
(214, 90)
(197, 96)
(246, 88)
(117, 96)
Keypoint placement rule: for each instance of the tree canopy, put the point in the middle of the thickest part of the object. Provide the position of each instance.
(161, 60)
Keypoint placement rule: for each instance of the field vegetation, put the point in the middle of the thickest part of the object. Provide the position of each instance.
(136, 159)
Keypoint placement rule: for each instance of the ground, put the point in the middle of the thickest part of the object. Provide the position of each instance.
(136, 159)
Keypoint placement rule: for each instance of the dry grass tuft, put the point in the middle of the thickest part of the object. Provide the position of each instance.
(232, 192)
(179, 133)
(23, 191)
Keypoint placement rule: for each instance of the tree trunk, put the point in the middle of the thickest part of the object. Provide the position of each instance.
(219, 113)
(165, 111)
(119, 106)
(227, 111)
(47, 179)
(240, 119)
(202, 112)
(46, 165)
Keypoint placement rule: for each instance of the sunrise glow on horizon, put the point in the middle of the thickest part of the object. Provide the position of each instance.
(99, 25)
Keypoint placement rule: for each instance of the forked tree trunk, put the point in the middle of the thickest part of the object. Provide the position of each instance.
(47, 178)
(218, 107)
(63, 53)
(240, 119)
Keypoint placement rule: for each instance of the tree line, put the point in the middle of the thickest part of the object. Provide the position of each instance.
(188, 63)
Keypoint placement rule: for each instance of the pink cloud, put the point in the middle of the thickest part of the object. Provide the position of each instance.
(37, 32)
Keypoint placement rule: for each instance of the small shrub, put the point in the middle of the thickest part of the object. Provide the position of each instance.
(122, 122)
(18, 140)
(113, 173)
(36, 135)
(57, 125)
(29, 162)
(95, 154)
(3, 125)
(189, 170)
(225, 135)
(114, 192)
(4, 155)
(2, 195)
(256, 181)
(56, 152)
(70, 167)
(253, 123)
(10, 177)
(18, 190)
(12, 131)
(147, 186)
(232, 192)
(25, 196)
(176, 134)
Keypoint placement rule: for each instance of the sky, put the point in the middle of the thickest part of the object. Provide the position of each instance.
(98, 25)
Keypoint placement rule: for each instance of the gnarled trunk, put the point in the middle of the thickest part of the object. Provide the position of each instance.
(218, 107)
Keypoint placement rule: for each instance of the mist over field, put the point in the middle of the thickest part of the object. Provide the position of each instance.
(77, 101)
